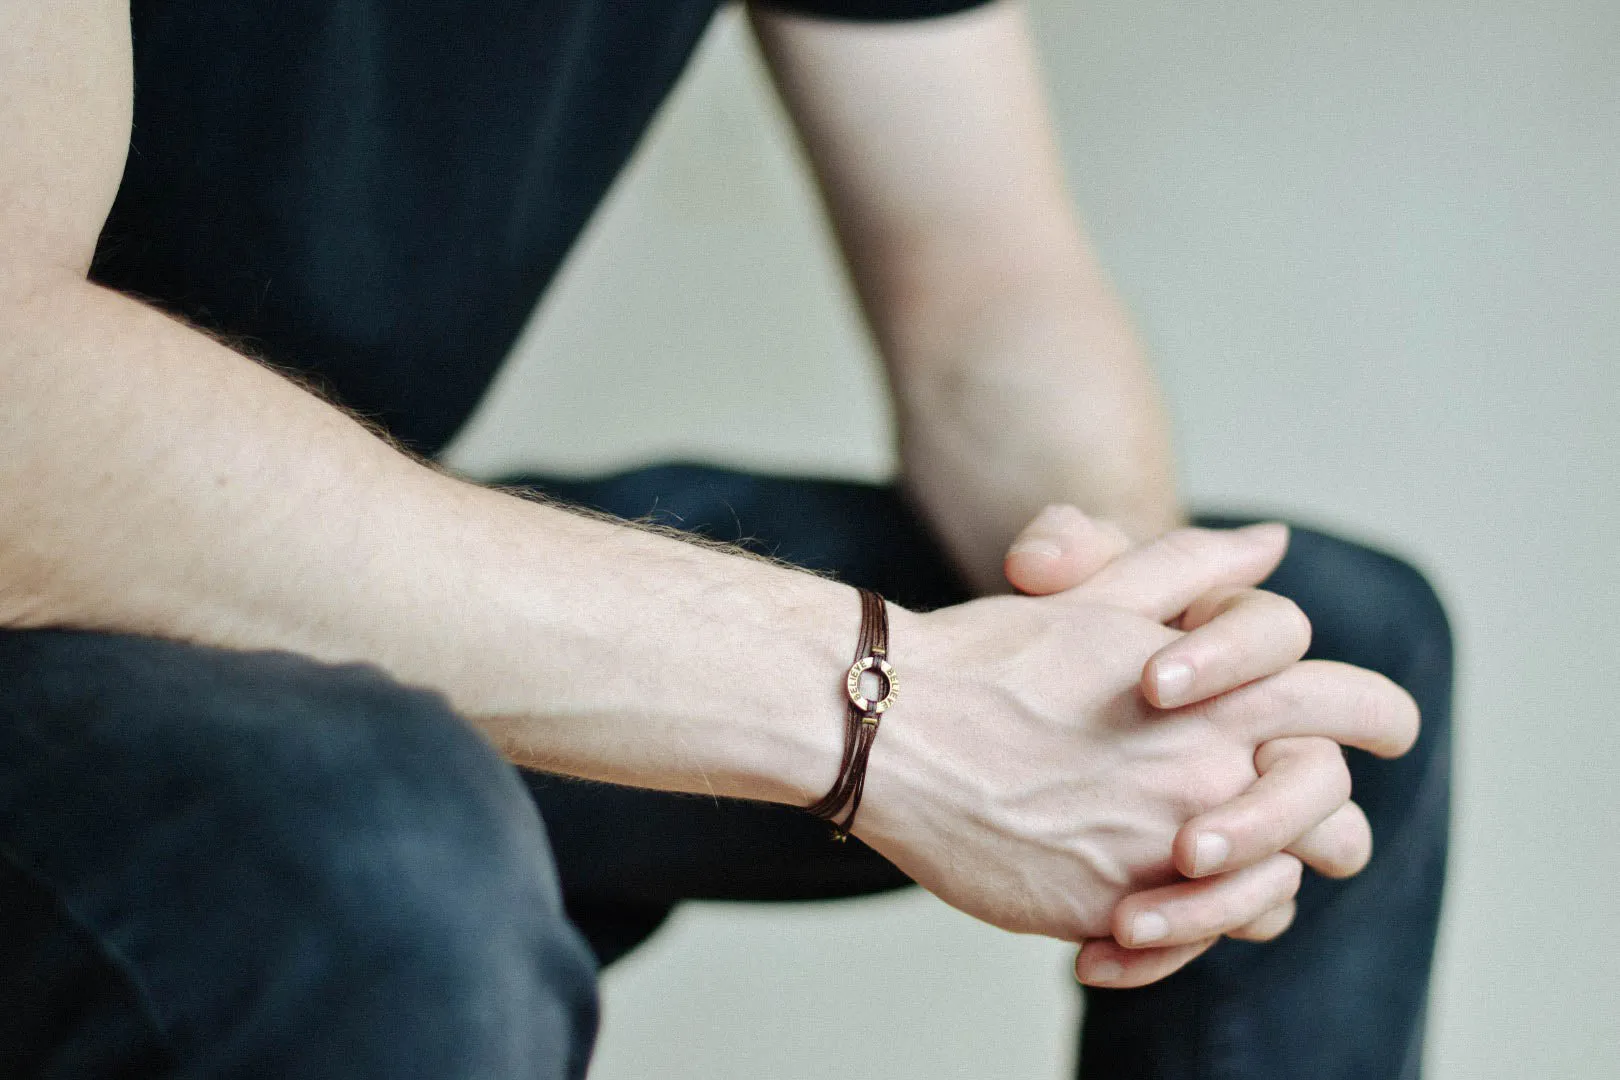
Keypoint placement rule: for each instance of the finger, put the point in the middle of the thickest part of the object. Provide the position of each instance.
(1234, 636)
(1302, 782)
(1191, 911)
(1269, 926)
(1350, 705)
(1162, 579)
(1339, 847)
(1061, 548)
(1105, 963)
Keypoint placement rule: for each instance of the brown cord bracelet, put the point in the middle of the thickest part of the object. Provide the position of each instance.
(862, 716)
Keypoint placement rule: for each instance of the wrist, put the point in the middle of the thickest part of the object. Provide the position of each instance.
(617, 654)
(793, 755)
(985, 446)
(907, 780)
(867, 701)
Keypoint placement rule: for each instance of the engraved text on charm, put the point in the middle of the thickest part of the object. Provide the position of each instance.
(891, 684)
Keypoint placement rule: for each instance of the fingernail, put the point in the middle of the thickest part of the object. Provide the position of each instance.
(1105, 971)
(1149, 926)
(1209, 852)
(1172, 680)
(1036, 546)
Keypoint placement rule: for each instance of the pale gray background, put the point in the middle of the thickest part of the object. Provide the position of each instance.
(1373, 248)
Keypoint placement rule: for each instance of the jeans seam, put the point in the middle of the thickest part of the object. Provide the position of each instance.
(145, 1005)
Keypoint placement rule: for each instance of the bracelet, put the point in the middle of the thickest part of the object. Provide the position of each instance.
(862, 716)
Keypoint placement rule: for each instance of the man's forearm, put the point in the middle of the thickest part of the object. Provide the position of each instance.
(1018, 379)
(1015, 391)
(156, 482)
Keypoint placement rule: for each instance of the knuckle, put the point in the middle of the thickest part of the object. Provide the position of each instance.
(1266, 928)
(1273, 752)
(1190, 543)
(1242, 823)
(1271, 926)
(1342, 846)
(1266, 709)
(1214, 915)
(1207, 607)
(1277, 879)
(1244, 713)
(1199, 793)
(1336, 773)
(1354, 847)
(1293, 874)
(1286, 695)
(1350, 860)
(1296, 622)
(1205, 788)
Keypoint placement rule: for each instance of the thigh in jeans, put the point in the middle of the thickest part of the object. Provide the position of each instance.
(251, 865)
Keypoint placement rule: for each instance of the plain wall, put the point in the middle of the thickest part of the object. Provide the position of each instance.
(1373, 250)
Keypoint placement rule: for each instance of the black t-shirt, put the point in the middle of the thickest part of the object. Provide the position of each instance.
(375, 192)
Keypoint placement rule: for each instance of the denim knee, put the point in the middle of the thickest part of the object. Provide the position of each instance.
(295, 860)
(1370, 608)
(1367, 607)
(1377, 611)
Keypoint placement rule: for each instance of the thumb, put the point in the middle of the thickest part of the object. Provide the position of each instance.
(1061, 548)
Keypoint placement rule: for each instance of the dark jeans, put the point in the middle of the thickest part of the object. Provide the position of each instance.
(223, 864)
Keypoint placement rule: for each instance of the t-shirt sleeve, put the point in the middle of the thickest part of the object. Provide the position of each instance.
(872, 10)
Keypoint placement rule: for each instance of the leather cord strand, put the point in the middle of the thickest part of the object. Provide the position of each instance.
(860, 727)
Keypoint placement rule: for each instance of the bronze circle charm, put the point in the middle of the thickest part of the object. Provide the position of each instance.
(891, 685)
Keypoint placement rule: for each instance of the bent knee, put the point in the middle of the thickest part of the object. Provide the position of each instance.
(320, 833)
(271, 752)
(269, 721)
(1367, 607)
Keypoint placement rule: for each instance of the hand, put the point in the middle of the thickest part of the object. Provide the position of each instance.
(1237, 635)
(1027, 780)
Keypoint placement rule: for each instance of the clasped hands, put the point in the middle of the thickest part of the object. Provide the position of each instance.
(1132, 756)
